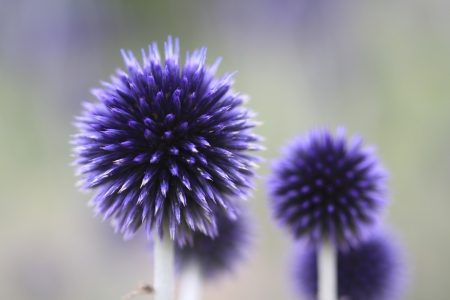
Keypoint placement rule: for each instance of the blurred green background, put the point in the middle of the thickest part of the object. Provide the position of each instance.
(381, 68)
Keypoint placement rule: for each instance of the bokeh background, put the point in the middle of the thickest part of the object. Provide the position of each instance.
(381, 68)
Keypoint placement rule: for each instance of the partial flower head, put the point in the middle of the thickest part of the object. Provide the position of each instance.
(373, 270)
(327, 188)
(220, 254)
(166, 144)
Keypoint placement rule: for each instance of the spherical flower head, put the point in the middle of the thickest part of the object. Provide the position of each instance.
(374, 270)
(325, 188)
(166, 145)
(220, 254)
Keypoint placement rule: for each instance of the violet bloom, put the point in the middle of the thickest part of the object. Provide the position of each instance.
(326, 188)
(374, 270)
(165, 145)
(219, 254)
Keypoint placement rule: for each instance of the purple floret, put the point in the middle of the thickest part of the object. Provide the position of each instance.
(166, 144)
(326, 188)
(374, 270)
(220, 254)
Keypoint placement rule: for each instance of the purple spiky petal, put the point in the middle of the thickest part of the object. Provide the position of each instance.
(327, 188)
(165, 144)
(220, 254)
(374, 270)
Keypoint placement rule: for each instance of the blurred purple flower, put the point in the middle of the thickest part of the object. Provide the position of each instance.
(166, 146)
(324, 188)
(374, 270)
(219, 254)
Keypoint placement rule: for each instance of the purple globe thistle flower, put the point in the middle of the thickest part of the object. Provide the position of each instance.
(216, 255)
(374, 270)
(165, 145)
(326, 188)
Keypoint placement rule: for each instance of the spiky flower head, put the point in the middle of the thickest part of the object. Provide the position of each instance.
(327, 188)
(374, 270)
(165, 145)
(220, 254)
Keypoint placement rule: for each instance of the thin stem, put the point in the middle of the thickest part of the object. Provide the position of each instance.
(191, 283)
(164, 282)
(327, 272)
